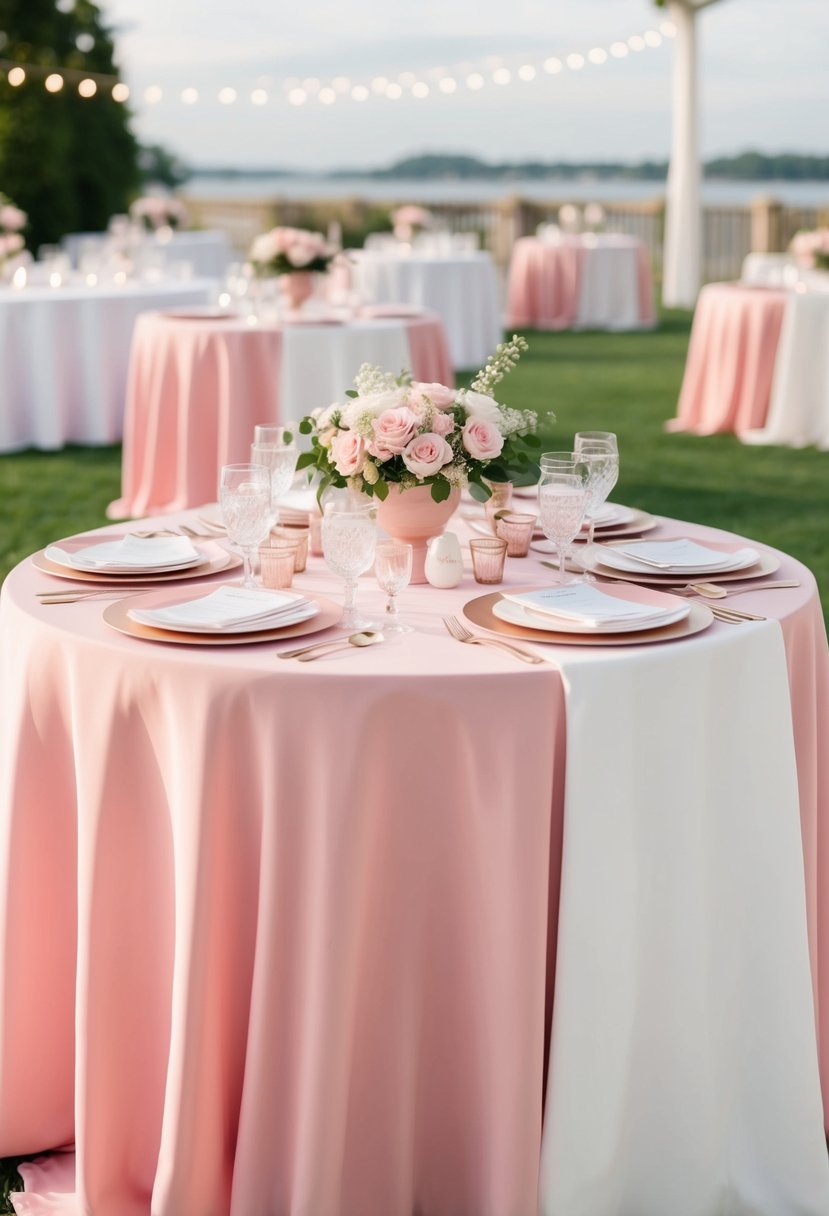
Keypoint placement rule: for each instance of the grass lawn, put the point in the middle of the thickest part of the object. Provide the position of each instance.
(626, 383)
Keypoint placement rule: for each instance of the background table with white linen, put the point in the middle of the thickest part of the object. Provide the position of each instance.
(461, 288)
(283, 937)
(64, 354)
(588, 281)
(781, 270)
(758, 365)
(199, 385)
(207, 251)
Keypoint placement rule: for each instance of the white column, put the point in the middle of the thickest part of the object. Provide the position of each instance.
(682, 265)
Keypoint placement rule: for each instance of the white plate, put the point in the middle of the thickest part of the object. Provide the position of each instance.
(616, 558)
(516, 614)
(60, 557)
(302, 613)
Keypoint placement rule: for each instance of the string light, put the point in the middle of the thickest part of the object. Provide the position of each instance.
(297, 93)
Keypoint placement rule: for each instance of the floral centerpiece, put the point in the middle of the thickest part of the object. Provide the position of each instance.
(811, 249)
(409, 220)
(414, 446)
(12, 222)
(290, 251)
(156, 211)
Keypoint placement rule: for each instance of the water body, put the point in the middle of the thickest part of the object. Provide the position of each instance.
(715, 193)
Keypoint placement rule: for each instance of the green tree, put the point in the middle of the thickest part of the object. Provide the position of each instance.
(69, 162)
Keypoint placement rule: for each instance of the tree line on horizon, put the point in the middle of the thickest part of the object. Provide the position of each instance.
(745, 166)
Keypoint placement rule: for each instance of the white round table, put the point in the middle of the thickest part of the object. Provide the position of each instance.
(64, 354)
(462, 289)
(208, 251)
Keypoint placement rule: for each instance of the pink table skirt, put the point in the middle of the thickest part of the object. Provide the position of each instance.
(730, 366)
(197, 388)
(579, 282)
(239, 981)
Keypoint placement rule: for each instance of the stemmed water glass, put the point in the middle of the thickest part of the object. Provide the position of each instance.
(349, 537)
(600, 452)
(562, 501)
(280, 461)
(393, 568)
(245, 497)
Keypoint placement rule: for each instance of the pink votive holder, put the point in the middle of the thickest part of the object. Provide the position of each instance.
(315, 541)
(277, 561)
(517, 530)
(499, 500)
(488, 559)
(300, 536)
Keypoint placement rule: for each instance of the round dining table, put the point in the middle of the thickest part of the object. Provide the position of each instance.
(64, 353)
(461, 288)
(419, 927)
(758, 365)
(201, 380)
(580, 281)
(207, 251)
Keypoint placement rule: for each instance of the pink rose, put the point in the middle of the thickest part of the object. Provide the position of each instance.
(299, 254)
(349, 453)
(427, 454)
(392, 431)
(12, 218)
(443, 424)
(482, 439)
(441, 397)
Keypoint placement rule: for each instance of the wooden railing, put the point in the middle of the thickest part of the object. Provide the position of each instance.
(729, 232)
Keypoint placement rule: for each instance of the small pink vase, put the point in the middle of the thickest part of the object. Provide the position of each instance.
(297, 288)
(414, 517)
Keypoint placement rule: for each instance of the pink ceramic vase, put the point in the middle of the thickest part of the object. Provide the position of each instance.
(414, 517)
(297, 287)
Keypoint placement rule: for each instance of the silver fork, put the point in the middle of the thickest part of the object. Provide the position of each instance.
(461, 634)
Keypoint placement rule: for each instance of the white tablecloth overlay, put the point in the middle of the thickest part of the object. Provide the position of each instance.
(461, 289)
(319, 361)
(609, 296)
(64, 354)
(799, 406)
(683, 1069)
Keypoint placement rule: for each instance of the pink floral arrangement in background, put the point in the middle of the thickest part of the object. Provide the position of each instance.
(395, 430)
(290, 251)
(156, 211)
(410, 219)
(811, 249)
(12, 221)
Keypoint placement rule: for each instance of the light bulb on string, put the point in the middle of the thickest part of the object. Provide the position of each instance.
(120, 92)
(619, 50)
(153, 94)
(189, 97)
(259, 97)
(297, 97)
(227, 96)
(447, 85)
(16, 77)
(359, 93)
(87, 87)
(420, 89)
(526, 72)
(575, 61)
(393, 91)
(475, 81)
(598, 55)
(54, 82)
(553, 65)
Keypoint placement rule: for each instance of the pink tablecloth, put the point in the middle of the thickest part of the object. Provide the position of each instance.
(730, 367)
(279, 938)
(197, 387)
(579, 282)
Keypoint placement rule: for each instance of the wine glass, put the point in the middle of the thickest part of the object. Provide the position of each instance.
(245, 497)
(602, 457)
(393, 569)
(280, 461)
(562, 500)
(349, 537)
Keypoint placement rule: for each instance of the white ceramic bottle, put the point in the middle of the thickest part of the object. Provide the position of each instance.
(444, 563)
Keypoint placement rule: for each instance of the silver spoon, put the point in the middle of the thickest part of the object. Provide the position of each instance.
(366, 638)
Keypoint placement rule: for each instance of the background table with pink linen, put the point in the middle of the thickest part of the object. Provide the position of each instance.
(198, 386)
(731, 358)
(285, 938)
(580, 282)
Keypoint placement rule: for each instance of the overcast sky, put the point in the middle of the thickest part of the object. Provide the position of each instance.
(764, 70)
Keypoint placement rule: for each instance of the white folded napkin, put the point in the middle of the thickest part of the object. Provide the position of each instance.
(133, 553)
(225, 608)
(681, 554)
(587, 604)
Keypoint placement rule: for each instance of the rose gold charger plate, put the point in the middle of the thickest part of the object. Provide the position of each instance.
(479, 612)
(766, 564)
(220, 559)
(117, 617)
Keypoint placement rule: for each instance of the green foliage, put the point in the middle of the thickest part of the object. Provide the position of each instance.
(69, 163)
(161, 167)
